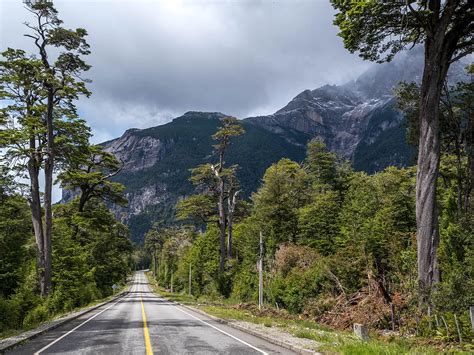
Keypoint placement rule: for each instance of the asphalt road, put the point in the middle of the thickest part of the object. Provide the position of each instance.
(143, 323)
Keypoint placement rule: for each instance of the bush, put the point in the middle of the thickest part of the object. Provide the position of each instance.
(9, 315)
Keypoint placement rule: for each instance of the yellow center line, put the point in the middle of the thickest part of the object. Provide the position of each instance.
(149, 350)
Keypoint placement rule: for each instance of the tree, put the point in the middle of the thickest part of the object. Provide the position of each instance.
(380, 29)
(42, 120)
(321, 164)
(23, 133)
(90, 171)
(15, 233)
(456, 124)
(217, 184)
(276, 203)
(230, 127)
(319, 223)
(200, 208)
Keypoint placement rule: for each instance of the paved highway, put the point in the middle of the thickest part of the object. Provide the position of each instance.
(143, 323)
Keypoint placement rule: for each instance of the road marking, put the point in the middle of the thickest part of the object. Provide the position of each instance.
(72, 330)
(222, 331)
(80, 325)
(149, 351)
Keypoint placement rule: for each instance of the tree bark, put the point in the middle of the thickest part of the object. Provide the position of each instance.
(222, 227)
(231, 201)
(435, 71)
(36, 218)
(48, 190)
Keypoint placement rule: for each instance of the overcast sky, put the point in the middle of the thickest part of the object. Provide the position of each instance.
(154, 60)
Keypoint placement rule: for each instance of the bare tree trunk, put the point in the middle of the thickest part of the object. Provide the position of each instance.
(436, 66)
(470, 158)
(37, 221)
(231, 201)
(48, 190)
(230, 223)
(222, 227)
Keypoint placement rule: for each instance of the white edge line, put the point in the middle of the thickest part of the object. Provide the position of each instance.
(220, 330)
(75, 328)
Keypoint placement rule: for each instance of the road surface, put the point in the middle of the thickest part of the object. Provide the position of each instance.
(143, 323)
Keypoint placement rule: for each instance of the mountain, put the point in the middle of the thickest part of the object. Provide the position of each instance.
(156, 162)
(358, 120)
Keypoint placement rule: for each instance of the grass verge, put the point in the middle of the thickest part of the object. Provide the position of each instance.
(326, 340)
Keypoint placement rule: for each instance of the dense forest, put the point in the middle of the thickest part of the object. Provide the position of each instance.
(53, 257)
(339, 245)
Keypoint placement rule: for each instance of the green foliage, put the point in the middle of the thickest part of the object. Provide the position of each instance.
(320, 163)
(198, 208)
(92, 252)
(284, 190)
(373, 27)
(319, 224)
(89, 171)
(14, 239)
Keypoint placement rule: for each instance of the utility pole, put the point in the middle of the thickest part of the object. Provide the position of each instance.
(190, 279)
(171, 281)
(260, 274)
(154, 263)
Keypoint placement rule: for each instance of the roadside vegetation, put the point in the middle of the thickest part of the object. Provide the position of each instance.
(339, 245)
(53, 258)
(327, 340)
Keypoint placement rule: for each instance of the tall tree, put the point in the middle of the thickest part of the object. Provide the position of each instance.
(380, 29)
(23, 130)
(43, 89)
(230, 127)
(456, 125)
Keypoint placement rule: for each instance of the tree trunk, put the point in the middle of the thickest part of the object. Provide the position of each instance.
(435, 70)
(231, 203)
(229, 235)
(37, 221)
(154, 263)
(48, 190)
(222, 227)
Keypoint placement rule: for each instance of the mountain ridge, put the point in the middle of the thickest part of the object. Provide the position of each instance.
(358, 120)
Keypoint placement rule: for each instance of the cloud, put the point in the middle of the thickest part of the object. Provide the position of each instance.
(154, 60)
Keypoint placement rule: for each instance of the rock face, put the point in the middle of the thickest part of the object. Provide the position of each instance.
(358, 120)
(137, 153)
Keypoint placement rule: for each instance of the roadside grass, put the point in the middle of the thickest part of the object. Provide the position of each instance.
(327, 340)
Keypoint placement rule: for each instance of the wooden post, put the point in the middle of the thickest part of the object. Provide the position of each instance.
(190, 279)
(260, 274)
(171, 281)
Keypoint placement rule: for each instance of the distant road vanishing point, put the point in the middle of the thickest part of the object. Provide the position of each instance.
(143, 323)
